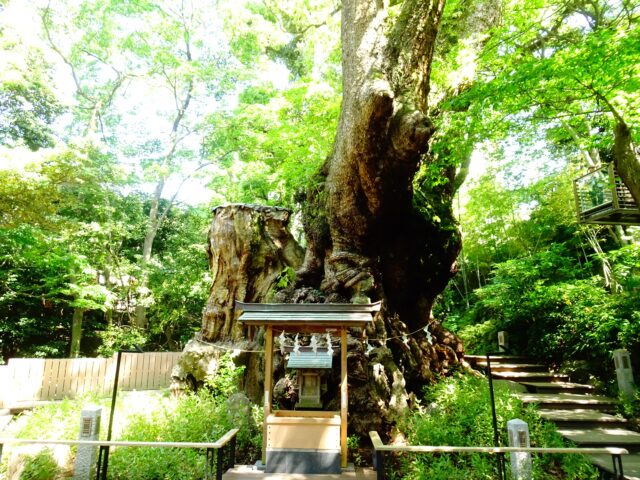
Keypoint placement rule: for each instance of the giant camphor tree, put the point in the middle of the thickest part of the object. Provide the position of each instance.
(368, 235)
(377, 216)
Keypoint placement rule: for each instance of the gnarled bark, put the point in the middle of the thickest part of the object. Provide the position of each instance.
(249, 248)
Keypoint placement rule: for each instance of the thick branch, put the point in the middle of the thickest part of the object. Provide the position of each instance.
(411, 46)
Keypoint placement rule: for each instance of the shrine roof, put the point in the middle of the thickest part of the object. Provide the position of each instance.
(309, 360)
(307, 314)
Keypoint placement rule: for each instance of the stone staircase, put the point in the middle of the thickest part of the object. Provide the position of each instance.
(581, 416)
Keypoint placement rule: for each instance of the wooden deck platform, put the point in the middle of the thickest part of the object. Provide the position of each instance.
(250, 472)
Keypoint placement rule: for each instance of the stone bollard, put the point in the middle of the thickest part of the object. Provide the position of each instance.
(624, 372)
(503, 342)
(87, 454)
(520, 461)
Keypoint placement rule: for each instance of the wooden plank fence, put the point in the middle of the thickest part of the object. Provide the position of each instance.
(38, 379)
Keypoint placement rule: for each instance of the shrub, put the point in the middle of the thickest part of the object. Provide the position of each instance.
(457, 412)
(41, 466)
(118, 337)
(553, 315)
(199, 417)
(55, 421)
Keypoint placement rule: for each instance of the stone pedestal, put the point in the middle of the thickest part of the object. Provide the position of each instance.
(86, 456)
(520, 461)
(624, 372)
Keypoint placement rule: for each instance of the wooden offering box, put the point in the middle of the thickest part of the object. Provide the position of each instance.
(299, 441)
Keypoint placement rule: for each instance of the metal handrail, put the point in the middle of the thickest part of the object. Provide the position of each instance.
(379, 448)
(229, 438)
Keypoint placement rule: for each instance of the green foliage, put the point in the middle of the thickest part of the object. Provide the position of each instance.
(353, 448)
(457, 412)
(55, 421)
(225, 381)
(630, 407)
(71, 239)
(28, 106)
(192, 418)
(273, 145)
(286, 278)
(118, 337)
(273, 142)
(41, 466)
(553, 309)
(506, 218)
(178, 277)
(199, 417)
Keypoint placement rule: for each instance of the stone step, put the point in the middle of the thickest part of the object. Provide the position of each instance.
(603, 437)
(514, 367)
(531, 376)
(474, 359)
(250, 472)
(581, 417)
(557, 387)
(568, 401)
(630, 464)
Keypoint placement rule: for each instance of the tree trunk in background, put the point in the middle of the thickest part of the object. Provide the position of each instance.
(249, 249)
(147, 251)
(627, 160)
(76, 332)
(368, 236)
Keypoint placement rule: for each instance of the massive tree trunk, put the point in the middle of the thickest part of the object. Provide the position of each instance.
(368, 237)
(250, 249)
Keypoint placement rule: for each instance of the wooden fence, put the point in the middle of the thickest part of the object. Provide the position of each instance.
(36, 379)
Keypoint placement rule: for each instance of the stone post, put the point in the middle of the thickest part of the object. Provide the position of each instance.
(520, 461)
(87, 454)
(503, 341)
(624, 372)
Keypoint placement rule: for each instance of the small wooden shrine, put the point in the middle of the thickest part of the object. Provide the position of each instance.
(603, 198)
(307, 362)
(310, 441)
